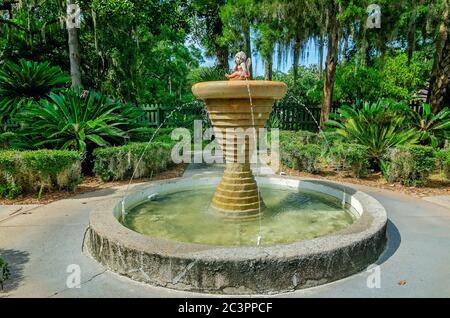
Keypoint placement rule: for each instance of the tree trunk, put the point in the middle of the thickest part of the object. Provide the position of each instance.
(332, 50)
(296, 58)
(74, 53)
(441, 81)
(268, 66)
(412, 31)
(222, 57)
(247, 46)
(441, 64)
(321, 41)
(221, 50)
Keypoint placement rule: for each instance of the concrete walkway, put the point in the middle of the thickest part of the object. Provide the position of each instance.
(42, 244)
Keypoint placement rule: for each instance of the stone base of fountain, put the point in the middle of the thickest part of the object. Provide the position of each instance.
(238, 269)
(237, 197)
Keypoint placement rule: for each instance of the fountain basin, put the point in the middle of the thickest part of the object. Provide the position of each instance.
(238, 270)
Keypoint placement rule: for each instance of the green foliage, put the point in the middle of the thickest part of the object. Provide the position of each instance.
(6, 139)
(35, 171)
(75, 119)
(400, 80)
(410, 165)
(205, 74)
(144, 134)
(352, 158)
(4, 272)
(120, 163)
(433, 128)
(301, 157)
(443, 162)
(27, 81)
(368, 83)
(299, 137)
(378, 126)
(328, 138)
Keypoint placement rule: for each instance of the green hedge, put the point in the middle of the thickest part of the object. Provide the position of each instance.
(301, 157)
(39, 170)
(143, 134)
(301, 137)
(119, 163)
(352, 158)
(410, 165)
(443, 162)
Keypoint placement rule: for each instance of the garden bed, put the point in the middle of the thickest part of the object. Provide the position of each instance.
(435, 186)
(90, 184)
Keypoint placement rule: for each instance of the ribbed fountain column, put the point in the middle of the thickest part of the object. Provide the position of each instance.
(230, 110)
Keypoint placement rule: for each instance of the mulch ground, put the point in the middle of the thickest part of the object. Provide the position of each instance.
(90, 184)
(435, 186)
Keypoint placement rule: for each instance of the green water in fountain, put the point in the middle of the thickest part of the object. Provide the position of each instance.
(290, 216)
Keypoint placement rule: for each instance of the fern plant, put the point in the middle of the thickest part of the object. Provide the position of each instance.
(432, 128)
(75, 119)
(378, 126)
(25, 82)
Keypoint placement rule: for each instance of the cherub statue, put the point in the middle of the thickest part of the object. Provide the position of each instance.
(241, 70)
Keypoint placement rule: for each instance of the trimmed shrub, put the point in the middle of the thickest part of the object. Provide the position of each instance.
(328, 138)
(301, 157)
(4, 272)
(443, 162)
(410, 165)
(39, 170)
(143, 134)
(352, 158)
(119, 163)
(301, 136)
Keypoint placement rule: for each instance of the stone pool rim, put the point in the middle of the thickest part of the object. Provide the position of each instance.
(239, 270)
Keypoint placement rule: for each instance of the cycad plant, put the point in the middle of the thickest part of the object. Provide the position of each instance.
(378, 126)
(75, 119)
(433, 128)
(25, 82)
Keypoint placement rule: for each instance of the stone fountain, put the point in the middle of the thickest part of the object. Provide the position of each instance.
(235, 107)
(204, 259)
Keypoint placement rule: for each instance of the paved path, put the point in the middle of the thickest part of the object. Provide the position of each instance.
(41, 244)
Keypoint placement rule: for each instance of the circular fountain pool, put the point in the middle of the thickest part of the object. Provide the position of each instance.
(313, 232)
(290, 215)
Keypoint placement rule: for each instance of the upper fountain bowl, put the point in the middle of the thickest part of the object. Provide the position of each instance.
(239, 89)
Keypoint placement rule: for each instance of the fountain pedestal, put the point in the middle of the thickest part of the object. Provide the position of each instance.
(237, 110)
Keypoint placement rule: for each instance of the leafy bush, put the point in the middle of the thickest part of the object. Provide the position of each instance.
(349, 157)
(206, 74)
(144, 134)
(301, 157)
(410, 165)
(432, 128)
(75, 120)
(6, 138)
(27, 81)
(4, 272)
(300, 136)
(119, 163)
(443, 162)
(35, 171)
(378, 126)
(328, 138)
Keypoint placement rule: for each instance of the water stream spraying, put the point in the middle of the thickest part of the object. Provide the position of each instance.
(258, 239)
